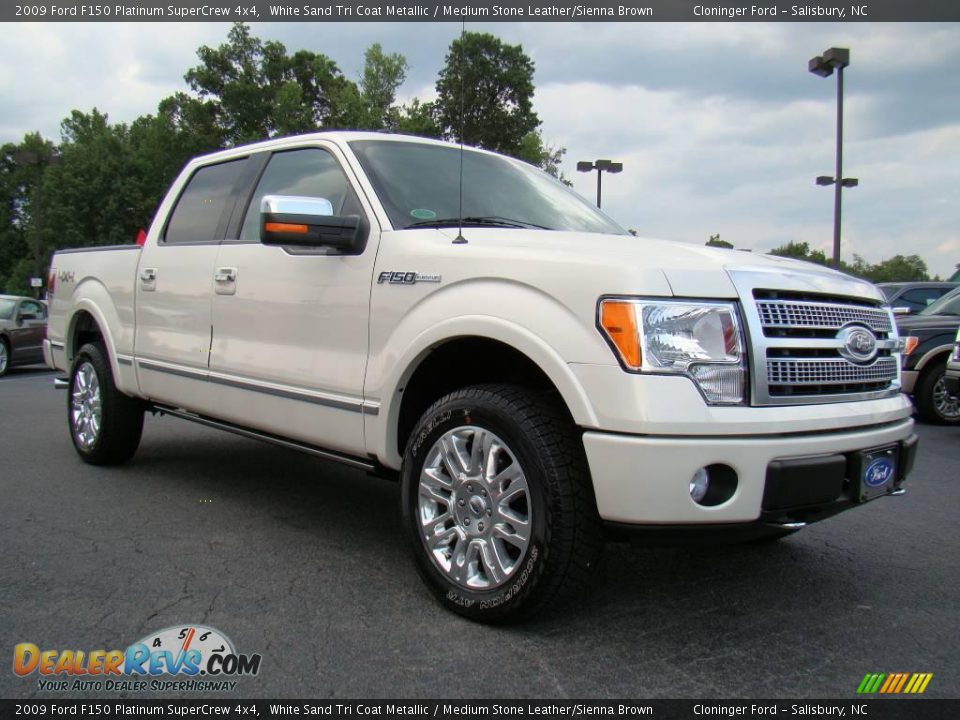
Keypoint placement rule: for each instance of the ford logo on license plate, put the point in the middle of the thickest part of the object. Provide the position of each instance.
(879, 472)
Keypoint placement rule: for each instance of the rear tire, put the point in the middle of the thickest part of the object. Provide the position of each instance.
(934, 403)
(498, 504)
(105, 424)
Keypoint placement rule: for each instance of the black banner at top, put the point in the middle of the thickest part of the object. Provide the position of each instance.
(480, 11)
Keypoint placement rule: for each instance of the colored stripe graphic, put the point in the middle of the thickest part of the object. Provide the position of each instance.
(894, 683)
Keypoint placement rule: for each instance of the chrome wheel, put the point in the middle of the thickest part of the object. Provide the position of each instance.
(947, 405)
(3, 357)
(86, 406)
(474, 508)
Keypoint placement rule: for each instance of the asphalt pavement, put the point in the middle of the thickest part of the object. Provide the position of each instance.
(304, 562)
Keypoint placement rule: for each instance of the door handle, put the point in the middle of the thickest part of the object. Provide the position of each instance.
(225, 275)
(148, 274)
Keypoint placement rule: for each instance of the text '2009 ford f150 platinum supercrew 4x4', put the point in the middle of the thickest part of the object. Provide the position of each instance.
(534, 374)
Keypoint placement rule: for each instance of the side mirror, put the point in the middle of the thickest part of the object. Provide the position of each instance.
(901, 311)
(25, 316)
(307, 222)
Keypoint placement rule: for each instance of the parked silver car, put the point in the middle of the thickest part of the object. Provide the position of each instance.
(23, 327)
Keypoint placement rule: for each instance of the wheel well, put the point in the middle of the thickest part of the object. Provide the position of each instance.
(85, 330)
(934, 358)
(459, 363)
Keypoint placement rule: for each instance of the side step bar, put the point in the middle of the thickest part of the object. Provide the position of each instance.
(354, 462)
(61, 383)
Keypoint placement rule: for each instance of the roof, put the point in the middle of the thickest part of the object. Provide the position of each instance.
(341, 137)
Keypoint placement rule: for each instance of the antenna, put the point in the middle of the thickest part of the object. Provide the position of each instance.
(460, 239)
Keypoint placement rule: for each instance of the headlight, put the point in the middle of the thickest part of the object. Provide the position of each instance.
(701, 340)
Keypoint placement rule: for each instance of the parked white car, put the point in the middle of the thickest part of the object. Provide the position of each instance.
(533, 373)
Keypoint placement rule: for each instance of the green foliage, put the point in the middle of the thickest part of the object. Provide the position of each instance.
(801, 251)
(419, 118)
(546, 157)
(382, 75)
(485, 94)
(255, 90)
(716, 242)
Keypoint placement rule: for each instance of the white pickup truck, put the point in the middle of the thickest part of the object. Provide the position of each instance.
(535, 375)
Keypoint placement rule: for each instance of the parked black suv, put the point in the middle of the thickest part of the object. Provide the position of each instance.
(929, 341)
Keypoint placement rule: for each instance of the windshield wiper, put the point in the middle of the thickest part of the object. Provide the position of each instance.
(477, 220)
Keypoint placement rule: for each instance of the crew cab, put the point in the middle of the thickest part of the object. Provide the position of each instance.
(534, 375)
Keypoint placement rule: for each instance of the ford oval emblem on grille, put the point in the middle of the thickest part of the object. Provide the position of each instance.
(858, 343)
(878, 472)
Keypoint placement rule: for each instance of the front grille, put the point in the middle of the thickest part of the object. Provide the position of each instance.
(829, 372)
(816, 315)
(798, 354)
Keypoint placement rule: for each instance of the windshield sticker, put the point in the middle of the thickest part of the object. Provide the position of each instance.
(423, 214)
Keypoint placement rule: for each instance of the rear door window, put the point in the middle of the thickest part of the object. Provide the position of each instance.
(204, 204)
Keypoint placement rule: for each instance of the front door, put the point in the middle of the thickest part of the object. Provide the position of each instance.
(290, 324)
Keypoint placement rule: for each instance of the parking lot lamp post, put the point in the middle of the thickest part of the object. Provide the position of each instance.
(601, 166)
(824, 65)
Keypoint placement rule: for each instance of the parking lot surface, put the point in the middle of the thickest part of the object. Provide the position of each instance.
(304, 562)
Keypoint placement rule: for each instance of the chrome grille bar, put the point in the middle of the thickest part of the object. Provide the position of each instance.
(829, 372)
(822, 316)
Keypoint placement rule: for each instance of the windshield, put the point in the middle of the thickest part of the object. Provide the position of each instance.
(889, 290)
(6, 308)
(949, 304)
(419, 186)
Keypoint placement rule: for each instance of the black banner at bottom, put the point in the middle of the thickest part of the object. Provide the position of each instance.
(869, 709)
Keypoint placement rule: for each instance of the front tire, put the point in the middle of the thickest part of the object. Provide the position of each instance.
(105, 425)
(498, 503)
(934, 402)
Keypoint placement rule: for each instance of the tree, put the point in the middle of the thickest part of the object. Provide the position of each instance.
(255, 90)
(382, 75)
(485, 92)
(419, 118)
(899, 268)
(546, 157)
(801, 251)
(716, 242)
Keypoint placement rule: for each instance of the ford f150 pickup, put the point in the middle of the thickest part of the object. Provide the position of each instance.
(534, 375)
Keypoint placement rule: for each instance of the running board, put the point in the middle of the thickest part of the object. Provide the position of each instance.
(272, 439)
(61, 383)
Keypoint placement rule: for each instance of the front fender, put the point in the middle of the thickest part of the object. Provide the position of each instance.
(514, 314)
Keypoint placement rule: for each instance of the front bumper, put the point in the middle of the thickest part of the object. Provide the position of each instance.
(645, 480)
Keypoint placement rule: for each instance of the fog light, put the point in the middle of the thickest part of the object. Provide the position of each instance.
(699, 484)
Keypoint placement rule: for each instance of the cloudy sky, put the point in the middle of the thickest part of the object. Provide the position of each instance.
(720, 127)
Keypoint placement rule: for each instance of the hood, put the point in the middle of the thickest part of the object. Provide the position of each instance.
(690, 270)
(906, 323)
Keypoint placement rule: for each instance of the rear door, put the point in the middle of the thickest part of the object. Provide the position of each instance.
(290, 324)
(174, 285)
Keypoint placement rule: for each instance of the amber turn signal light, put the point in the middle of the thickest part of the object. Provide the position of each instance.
(619, 321)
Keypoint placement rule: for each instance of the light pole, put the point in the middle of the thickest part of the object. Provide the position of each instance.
(824, 65)
(601, 166)
(41, 161)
